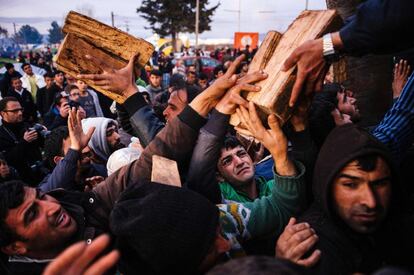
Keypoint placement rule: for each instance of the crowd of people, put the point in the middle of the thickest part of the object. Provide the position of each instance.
(318, 195)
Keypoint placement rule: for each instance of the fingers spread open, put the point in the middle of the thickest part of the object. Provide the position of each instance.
(234, 65)
(92, 76)
(91, 251)
(253, 77)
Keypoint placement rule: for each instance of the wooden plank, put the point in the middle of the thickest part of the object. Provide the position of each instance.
(276, 89)
(165, 171)
(114, 41)
(71, 59)
(88, 36)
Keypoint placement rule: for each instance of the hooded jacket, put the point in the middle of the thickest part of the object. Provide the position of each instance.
(98, 142)
(343, 250)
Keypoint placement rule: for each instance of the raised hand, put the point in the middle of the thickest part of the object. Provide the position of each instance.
(311, 66)
(273, 139)
(78, 139)
(296, 240)
(80, 259)
(120, 81)
(401, 74)
(209, 98)
(229, 102)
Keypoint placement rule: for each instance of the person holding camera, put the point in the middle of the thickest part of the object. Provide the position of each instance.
(58, 113)
(21, 143)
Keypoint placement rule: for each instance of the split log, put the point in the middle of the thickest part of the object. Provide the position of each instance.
(276, 89)
(165, 171)
(88, 36)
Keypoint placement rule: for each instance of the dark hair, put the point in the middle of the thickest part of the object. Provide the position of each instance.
(367, 163)
(58, 97)
(192, 92)
(9, 66)
(4, 101)
(70, 87)
(24, 65)
(53, 144)
(14, 78)
(49, 74)
(156, 72)
(59, 72)
(202, 76)
(11, 196)
(255, 265)
(231, 142)
(177, 81)
(217, 69)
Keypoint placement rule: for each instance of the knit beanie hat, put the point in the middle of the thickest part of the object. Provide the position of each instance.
(122, 157)
(163, 229)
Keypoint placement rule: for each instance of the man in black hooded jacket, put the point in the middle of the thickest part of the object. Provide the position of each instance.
(357, 213)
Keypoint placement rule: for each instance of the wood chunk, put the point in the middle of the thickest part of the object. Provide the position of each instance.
(114, 41)
(88, 36)
(71, 60)
(276, 89)
(165, 171)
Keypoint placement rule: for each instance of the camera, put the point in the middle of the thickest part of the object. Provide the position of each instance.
(73, 104)
(40, 130)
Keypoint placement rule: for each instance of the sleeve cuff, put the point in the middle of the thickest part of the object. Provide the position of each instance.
(134, 103)
(286, 181)
(192, 118)
(72, 155)
(217, 123)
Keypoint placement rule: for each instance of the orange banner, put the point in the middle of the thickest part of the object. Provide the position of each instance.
(242, 39)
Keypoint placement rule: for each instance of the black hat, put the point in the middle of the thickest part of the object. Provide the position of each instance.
(8, 66)
(156, 72)
(163, 229)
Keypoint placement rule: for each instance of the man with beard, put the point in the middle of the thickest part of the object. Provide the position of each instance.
(358, 213)
(35, 227)
(105, 139)
(69, 156)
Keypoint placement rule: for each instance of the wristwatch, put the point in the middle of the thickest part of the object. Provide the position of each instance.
(329, 53)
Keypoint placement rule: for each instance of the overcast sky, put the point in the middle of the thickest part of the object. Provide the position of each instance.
(256, 15)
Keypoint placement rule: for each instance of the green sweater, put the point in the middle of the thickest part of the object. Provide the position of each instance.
(229, 193)
(265, 215)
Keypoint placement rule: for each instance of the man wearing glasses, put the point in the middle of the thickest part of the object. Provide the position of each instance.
(19, 143)
(25, 99)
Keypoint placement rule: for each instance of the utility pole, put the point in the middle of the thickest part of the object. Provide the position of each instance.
(127, 25)
(307, 5)
(197, 21)
(113, 19)
(14, 26)
(239, 15)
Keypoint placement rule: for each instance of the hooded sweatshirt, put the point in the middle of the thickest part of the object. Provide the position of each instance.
(98, 142)
(343, 250)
